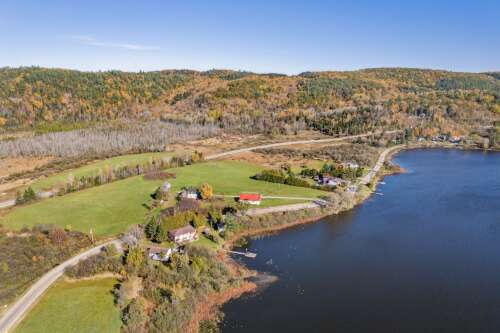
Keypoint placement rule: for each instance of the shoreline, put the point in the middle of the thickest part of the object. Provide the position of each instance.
(215, 306)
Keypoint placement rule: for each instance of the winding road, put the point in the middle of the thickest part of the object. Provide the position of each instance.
(17, 310)
(376, 168)
(290, 143)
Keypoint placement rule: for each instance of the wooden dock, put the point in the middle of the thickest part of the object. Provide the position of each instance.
(246, 254)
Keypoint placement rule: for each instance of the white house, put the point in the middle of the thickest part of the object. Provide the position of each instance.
(190, 193)
(159, 253)
(184, 234)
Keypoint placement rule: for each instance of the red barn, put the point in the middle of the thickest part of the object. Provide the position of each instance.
(251, 198)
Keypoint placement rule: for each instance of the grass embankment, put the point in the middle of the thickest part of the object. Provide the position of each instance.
(110, 209)
(93, 168)
(82, 306)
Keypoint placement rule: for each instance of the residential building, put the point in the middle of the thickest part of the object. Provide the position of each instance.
(189, 193)
(184, 234)
(159, 253)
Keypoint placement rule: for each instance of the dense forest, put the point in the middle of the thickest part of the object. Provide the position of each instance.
(429, 101)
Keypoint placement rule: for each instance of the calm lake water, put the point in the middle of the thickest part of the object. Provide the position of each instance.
(424, 257)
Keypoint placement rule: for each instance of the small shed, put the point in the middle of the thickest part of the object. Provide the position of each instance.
(250, 198)
(166, 187)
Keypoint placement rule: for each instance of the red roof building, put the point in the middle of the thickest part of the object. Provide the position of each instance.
(251, 198)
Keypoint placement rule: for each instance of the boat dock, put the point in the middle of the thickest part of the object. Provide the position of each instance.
(246, 254)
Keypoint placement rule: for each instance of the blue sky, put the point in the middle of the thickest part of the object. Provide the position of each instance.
(261, 36)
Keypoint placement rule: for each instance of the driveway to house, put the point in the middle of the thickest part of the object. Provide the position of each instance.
(17, 311)
(290, 143)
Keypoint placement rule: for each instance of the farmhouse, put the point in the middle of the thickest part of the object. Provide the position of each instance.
(189, 193)
(351, 165)
(159, 253)
(330, 181)
(251, 198)
(184, 234)
(186, 204)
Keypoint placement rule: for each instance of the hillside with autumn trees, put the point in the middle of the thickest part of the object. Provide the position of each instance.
(335, 103)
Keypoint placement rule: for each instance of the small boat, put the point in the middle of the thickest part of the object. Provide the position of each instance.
(379, 193)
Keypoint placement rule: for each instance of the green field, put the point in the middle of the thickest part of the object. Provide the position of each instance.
(107, 209)
(93, 168)
(83, 306)
(233, 177)
(110, 209)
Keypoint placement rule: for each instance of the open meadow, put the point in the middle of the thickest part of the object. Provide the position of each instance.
(77, 307)
(111, 208)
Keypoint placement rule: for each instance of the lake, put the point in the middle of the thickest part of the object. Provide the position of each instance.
(422, 257)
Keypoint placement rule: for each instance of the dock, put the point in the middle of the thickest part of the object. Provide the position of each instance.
(246, 254)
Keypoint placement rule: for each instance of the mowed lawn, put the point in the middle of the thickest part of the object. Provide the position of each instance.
(92, 169)
(76, 307)
(107, 209)
(233, 177)
(110, 209)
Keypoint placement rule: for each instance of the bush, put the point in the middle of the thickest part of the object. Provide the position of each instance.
(100, 263)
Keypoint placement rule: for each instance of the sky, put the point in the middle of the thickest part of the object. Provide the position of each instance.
(259, 35)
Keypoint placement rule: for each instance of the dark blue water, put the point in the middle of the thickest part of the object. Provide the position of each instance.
(424, 257)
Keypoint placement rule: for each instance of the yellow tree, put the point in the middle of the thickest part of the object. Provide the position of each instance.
(206, 191)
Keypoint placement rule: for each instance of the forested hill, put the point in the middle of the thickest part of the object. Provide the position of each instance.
(334, 102)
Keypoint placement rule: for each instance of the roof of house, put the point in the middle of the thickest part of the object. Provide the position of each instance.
(157, 249)
(188, 229)
(188, 204)
(250, 196)
(169, 211)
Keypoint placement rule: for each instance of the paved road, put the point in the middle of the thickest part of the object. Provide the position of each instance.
(17, 310)
(380, 162)
(290, 143)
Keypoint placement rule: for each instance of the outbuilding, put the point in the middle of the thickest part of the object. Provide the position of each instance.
(250, 198)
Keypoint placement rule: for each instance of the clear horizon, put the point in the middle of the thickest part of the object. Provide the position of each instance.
(260, 37)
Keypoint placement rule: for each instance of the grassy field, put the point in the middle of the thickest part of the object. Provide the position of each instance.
(233, 177)
(107, 210)
(84, 306)
(110, 209)
(93, 168)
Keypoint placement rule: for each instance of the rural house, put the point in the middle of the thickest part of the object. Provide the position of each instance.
(330, 181)
(184, 234)
(159, 253)
(186, 204)
(250, 198)
(189, 193)
(351, 165)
